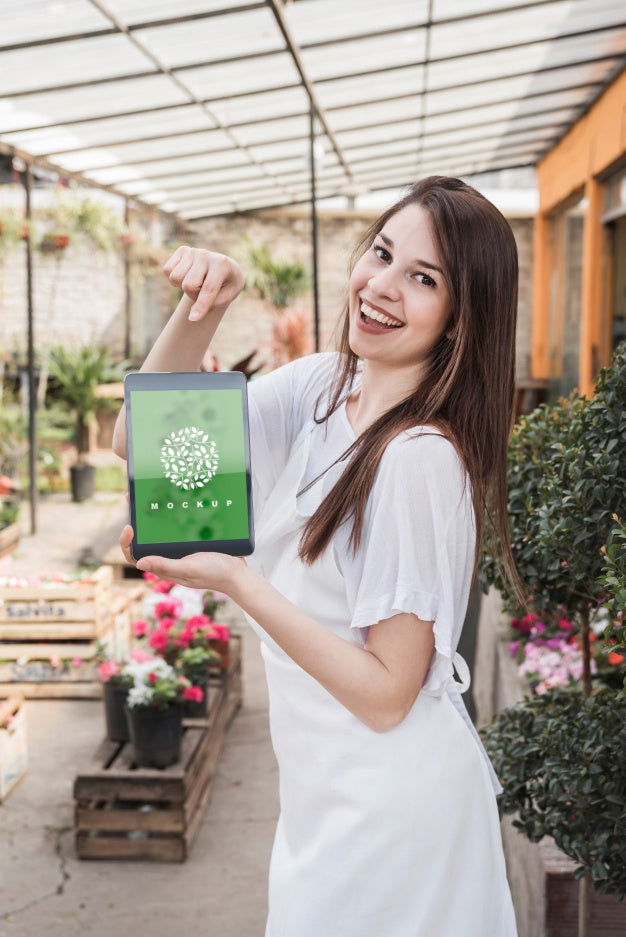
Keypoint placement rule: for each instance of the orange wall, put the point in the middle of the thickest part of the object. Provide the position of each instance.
(593, 144)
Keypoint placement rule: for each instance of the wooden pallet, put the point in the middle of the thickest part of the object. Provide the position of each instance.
(125, 812)
(56, 610)
(54, 657)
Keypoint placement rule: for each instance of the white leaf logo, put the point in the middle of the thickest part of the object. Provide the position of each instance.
(189, 458)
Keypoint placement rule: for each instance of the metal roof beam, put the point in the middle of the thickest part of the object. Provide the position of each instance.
(129, 27)
(307, 83)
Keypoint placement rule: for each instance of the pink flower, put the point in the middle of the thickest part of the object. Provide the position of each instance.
(158, 641)
(166, 623)
(140, 628)
(193, 693)
(539, 627)
(222, 632)
(152, 677)
(55, 661)
(162, 586)
(108, 669)
(513, 647)
(169, 607)
(141, 655)
(150, 577)
(77, 661)
(565, 625)
(198, 621)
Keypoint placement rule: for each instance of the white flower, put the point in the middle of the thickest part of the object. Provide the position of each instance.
(192, 600)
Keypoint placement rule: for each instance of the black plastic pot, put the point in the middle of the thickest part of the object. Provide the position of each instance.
(156, 736)
(114, 697)
(191, 709)
(82, 481)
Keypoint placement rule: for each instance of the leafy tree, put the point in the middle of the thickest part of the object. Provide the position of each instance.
(567, 465)
(563, 757)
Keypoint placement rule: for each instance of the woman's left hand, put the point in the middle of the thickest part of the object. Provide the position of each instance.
(217, 571)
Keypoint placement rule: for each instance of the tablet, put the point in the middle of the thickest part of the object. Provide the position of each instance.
(188, 463)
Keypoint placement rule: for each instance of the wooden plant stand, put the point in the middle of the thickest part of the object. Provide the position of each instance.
(125, 812)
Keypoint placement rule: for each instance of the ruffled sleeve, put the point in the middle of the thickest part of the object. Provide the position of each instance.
(280, 403)
(417, 550)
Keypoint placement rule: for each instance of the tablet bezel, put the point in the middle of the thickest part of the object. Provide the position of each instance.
(147, 381)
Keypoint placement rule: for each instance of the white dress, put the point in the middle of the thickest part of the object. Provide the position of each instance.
(391, 834)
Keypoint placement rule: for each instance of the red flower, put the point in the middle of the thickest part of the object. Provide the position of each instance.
(152, 677)
(158, 641)
(167, 607)
(615, 659)
(193, 693)
(140, 628)
(162, 586)
(198, 621)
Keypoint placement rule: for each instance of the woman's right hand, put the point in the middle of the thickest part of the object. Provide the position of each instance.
(210, 280)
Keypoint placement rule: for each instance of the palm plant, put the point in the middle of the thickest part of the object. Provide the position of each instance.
(78, 372)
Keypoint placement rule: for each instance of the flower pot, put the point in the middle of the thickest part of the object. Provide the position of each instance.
(82, 481)
(191, 709)
(156, 735)
(114, 711)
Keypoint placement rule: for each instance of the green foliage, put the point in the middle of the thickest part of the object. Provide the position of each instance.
(561, 759)
(78, 372)
(86, 217)
(567, 465)
(13, 229)
(192, 662)
(13, 441)
(9, 512)
(277, 281)
(613, 582)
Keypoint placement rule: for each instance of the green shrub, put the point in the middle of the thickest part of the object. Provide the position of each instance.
(562, 761)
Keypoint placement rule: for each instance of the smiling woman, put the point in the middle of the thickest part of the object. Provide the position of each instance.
(372, 468)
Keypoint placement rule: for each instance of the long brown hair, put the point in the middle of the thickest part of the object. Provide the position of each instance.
(467, 390)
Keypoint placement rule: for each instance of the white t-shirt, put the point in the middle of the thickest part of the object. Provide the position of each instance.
(418, 539)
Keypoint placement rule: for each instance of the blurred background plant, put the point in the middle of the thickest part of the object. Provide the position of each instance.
(279, 283)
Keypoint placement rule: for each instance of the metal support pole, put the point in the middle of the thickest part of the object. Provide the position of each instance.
(32, 394)
(127, 294)
(316, 308)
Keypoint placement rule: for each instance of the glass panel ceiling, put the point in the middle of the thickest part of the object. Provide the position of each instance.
(203, 106)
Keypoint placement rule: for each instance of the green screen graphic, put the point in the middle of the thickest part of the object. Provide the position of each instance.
(190, 466)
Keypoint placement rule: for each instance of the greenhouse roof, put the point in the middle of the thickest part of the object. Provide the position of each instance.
(203, 107)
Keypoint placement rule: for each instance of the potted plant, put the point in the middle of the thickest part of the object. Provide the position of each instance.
(154, 710)
(187, 644)
(78, 372)
(567, 465)
(115, 687)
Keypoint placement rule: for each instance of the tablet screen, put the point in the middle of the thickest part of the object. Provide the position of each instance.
(190, 471)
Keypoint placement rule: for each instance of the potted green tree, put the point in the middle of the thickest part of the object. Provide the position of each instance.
(567, 465)
(78, 372)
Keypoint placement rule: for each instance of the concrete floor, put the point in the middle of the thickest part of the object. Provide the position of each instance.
(44, 888)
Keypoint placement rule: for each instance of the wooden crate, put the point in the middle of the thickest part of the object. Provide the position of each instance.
(55, 656)
(13, 745)
(125, 812)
